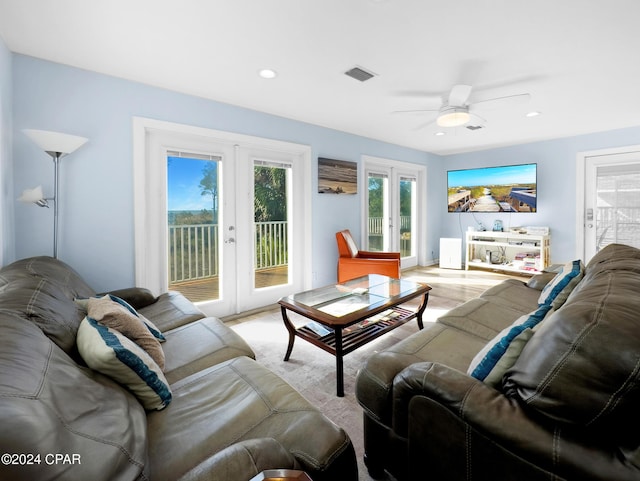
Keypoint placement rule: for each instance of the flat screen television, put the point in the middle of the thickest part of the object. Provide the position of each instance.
(510, 188)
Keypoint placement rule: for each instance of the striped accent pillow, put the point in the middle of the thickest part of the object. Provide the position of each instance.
(113, 354)
(490, 364)
(83, 303)
(557, 291)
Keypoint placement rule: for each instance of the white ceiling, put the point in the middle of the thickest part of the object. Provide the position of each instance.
(579, 59)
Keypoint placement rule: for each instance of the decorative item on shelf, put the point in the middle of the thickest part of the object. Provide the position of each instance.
(537, 230)
(497, 225)
(57, 145)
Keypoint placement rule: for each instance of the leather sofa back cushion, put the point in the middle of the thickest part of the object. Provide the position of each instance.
(42, 290)
(583, 365)
(49, 404)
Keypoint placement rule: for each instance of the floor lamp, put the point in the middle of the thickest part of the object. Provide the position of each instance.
(57, 145)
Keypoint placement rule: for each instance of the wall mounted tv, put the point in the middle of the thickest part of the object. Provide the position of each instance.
(510, 188)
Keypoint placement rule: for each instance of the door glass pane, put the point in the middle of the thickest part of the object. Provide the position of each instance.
(377, 225)
(618, 205)
(407, 214)
(271, 210)
(192, 220)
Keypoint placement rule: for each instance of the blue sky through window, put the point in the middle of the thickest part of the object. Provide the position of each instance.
(183, 180)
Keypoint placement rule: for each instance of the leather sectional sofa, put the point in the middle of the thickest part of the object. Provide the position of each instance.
(533, 380)
(213, 414)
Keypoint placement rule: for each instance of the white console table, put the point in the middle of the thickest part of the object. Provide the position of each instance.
(521, 253)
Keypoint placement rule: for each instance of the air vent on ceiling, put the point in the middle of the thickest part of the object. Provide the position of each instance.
(360, 74)
(474, 127)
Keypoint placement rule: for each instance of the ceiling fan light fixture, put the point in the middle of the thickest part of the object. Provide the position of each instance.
(453, 117)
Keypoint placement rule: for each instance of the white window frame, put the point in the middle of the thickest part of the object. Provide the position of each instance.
(149, 272)
(397, 169)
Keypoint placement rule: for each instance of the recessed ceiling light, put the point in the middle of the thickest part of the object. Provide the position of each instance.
(439, 134)
(534, 113)
(268, 73)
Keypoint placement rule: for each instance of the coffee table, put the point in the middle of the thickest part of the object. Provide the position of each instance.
(347, 316)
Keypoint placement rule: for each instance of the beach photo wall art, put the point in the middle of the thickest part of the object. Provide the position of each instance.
(337, 176)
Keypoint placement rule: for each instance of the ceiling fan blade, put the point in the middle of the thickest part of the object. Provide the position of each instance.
(459, 95)
(415, 111)
(500, 102)
(475, 119)
(424, 125)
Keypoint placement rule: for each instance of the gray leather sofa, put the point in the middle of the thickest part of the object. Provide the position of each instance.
(565, 409)
(228, 418)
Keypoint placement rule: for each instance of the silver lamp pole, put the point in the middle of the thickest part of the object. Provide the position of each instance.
(57, 145)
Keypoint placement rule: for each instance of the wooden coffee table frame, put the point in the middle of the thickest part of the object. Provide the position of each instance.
(340, 344)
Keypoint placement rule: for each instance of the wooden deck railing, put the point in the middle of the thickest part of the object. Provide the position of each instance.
(193, 249)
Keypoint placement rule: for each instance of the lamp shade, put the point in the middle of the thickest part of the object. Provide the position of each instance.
(31, 195)
(55, 141)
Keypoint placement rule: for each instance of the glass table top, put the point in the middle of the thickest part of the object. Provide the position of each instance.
(340, 299)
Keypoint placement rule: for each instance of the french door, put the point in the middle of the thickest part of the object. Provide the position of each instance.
(394, 208)
(611, 206)
(222, 217)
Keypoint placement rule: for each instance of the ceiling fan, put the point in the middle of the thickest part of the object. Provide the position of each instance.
(456, 110)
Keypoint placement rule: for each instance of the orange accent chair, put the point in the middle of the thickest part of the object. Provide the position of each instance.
(354, 263)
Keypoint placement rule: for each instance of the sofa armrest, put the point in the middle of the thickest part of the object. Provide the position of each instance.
(242, 461)
(540, 280)
(465, 396)
(377, 255)
(480, 422)
(138, 297)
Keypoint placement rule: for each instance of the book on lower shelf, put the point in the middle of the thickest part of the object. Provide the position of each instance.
(318, 328)
(387, 315)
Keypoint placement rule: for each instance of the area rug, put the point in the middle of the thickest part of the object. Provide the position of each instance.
(312, 371)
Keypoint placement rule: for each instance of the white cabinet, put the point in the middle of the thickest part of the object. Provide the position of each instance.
(521, 253)
(451, 253)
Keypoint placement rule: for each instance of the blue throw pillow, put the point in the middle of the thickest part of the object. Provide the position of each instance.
(488, 358)
(558, 290)
(108, 351)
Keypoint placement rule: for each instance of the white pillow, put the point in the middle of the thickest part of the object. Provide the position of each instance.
(113, 354)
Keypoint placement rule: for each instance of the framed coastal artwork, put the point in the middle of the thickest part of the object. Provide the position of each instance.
(337, 176)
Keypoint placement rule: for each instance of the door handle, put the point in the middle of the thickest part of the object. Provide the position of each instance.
(230, 240)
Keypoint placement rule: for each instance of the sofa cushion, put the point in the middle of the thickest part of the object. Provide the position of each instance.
(582, 366)
(481, 317)
(557, 291)
(238, 400)
(113, 354)
(210, 342)
(45, 304)
(436, 342)
(539, 281)
(498, 355)
(171, 310)
(50, 404)
(116, 316)
(513, 293)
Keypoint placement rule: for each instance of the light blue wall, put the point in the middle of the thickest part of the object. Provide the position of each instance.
(97, 200)
(6, 170)
(556, 161)
(96, 209)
